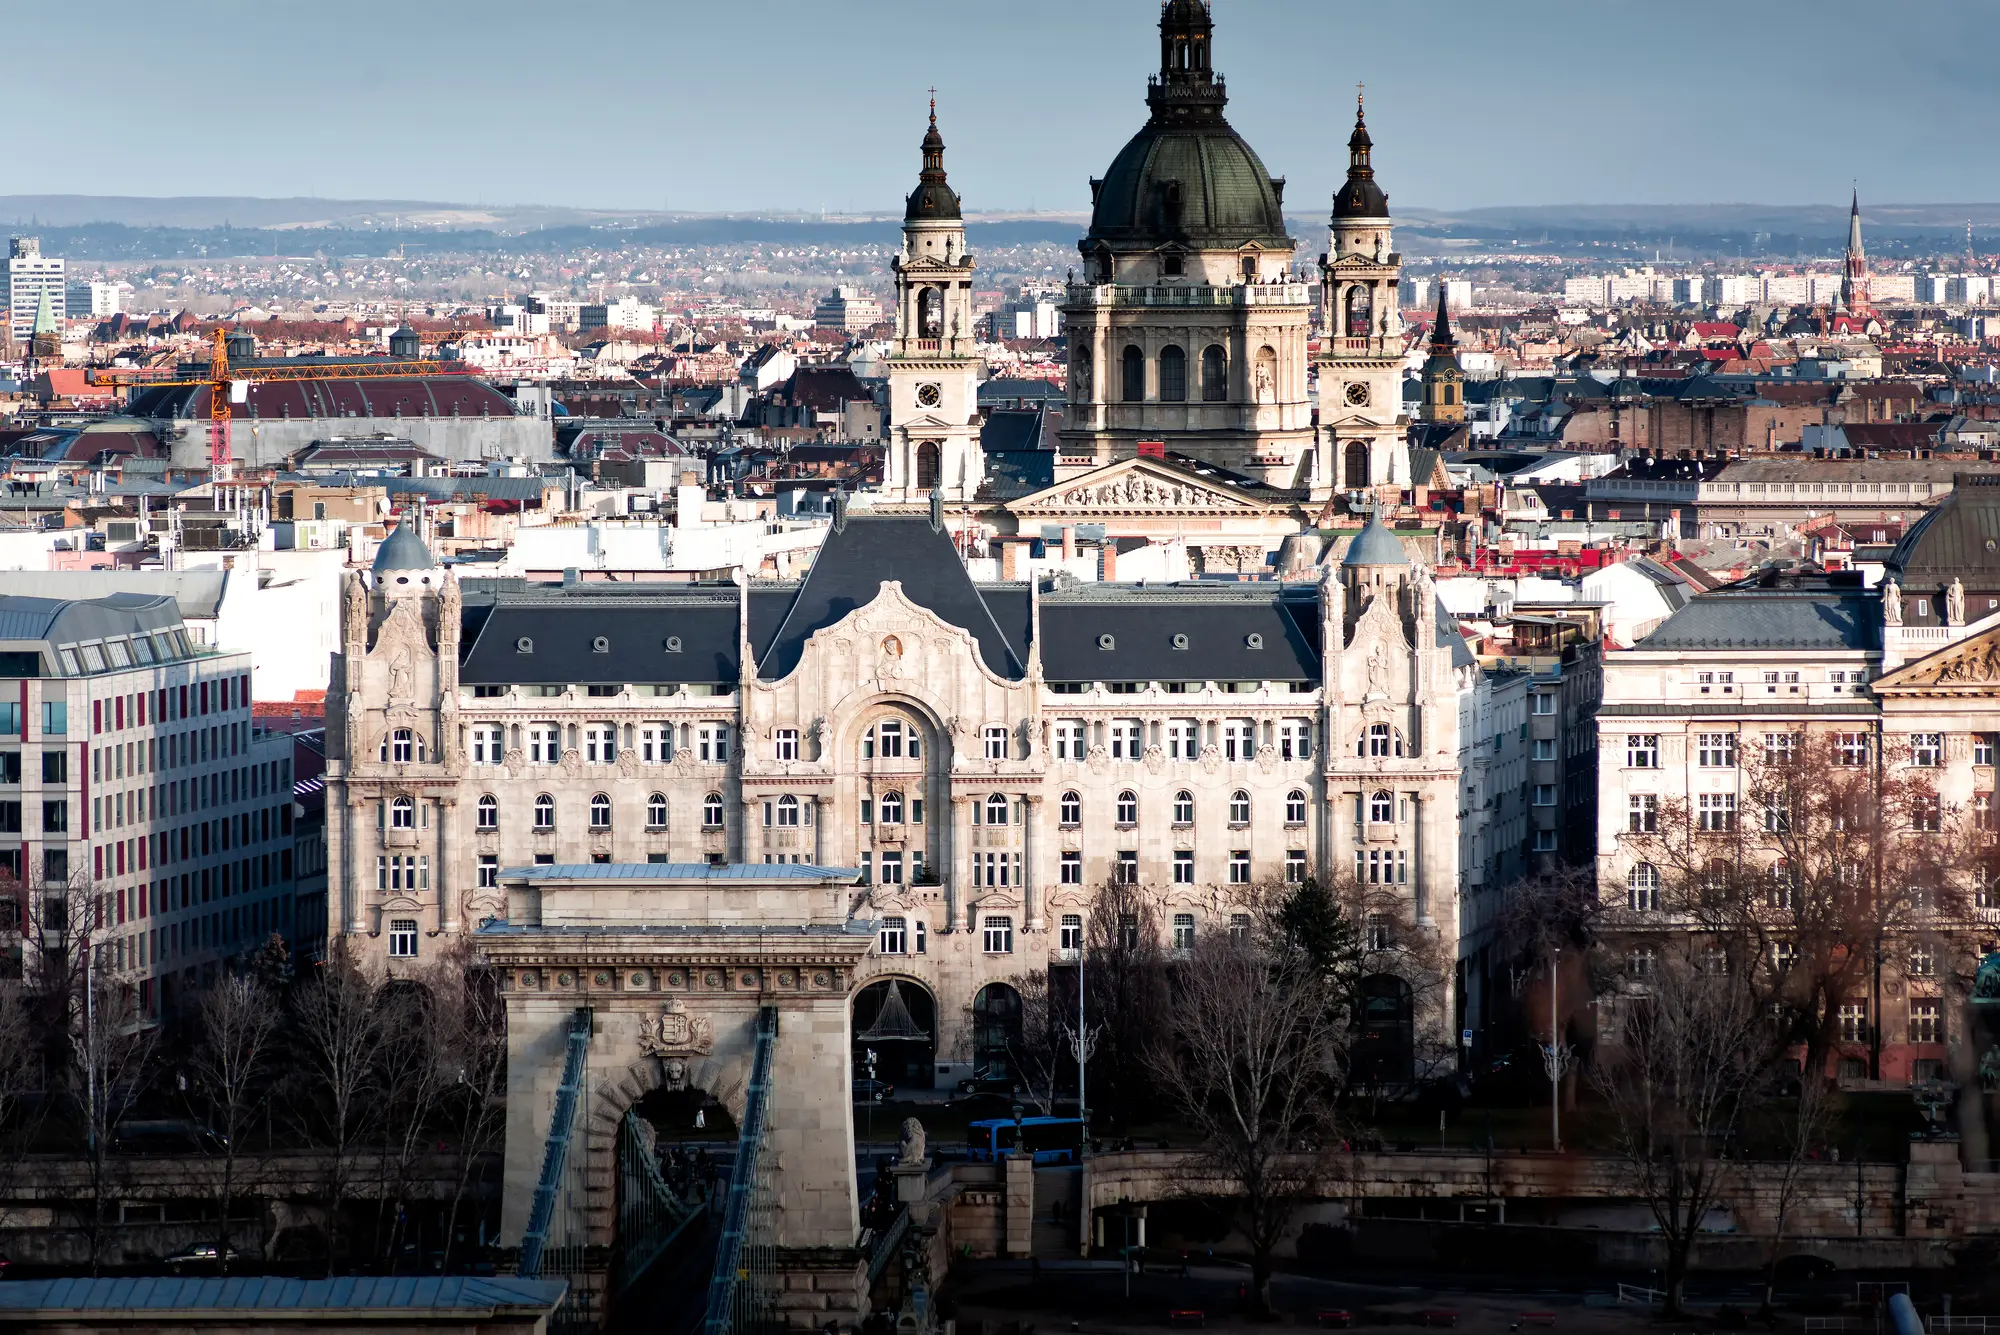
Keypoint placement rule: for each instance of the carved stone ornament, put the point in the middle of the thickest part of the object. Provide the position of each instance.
(1211, 758)
(1136, 490)
(684, 761)
(1267, 759)
(677, 1032)
(516, 762)
(1156, 760)
(1978, 664)
(572, 763)
(1100, 759)
(628, 764)
(911, 1151)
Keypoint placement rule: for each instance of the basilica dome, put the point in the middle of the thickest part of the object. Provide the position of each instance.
(1187, 177)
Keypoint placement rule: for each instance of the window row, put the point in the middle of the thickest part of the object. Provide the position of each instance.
(1718, 750)
(1173, 369)
(1069, 808)
(486, 812)
(597, 743)
(1182, 739)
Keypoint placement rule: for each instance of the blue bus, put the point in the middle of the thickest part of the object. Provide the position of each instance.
(1051, 1140)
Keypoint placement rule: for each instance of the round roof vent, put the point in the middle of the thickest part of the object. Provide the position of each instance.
(600, 645)
(1180, 641)
(1107, 641)
(524, 645)
(673, 644)
(1253, 640)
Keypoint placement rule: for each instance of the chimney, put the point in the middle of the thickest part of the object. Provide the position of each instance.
(1010, 560)
(1108, 559)
(1152, 449)
(1069, 542)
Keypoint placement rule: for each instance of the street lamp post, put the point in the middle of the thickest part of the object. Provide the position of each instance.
(870, 1059)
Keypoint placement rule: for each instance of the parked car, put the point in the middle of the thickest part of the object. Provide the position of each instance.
(872, 1091)
(992, 1080)
(201, 1256)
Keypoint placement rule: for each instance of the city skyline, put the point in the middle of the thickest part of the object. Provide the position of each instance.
(1034, 99)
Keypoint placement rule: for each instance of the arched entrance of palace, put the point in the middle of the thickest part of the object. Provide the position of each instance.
(896, 1019)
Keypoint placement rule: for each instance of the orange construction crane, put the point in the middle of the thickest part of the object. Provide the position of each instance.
(221, 375)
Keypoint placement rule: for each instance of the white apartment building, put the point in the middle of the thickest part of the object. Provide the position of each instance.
(88, 298)
(624, 313)
(29, 276)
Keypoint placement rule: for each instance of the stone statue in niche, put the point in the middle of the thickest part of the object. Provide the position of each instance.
(1892, 603)
(400, 677)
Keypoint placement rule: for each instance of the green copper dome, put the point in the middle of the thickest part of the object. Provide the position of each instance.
(1187, 177)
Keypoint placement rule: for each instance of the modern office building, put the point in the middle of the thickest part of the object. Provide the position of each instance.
(143, 815)
(30, 276)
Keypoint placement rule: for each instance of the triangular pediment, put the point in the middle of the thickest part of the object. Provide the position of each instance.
(1131, 486)
(1969, 667)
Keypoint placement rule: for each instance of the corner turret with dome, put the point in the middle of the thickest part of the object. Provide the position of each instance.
(1361, 436)
(934, 371)
(1189, 326)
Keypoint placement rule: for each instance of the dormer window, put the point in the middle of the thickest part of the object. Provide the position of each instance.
(1172, 265)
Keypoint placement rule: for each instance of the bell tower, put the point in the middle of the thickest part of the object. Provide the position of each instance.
(1444, 379)
(933, 436)
(1360, 362)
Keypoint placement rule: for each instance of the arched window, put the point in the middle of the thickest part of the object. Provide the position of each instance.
(1239, 807)
(788, 810)
(1354, 466)
(1214, 374)
(1070, 809)
(488, 813)
(892, 808)
(1184, 807)
(927, 465)
(1642, 886)
(711, 812)
(402, 814)
(1295, 807)
(402, 747)
(1360, 305)
(600, 812)
(1173, 374)
(545, 812)
(1379, 741)
(1135, 374)
(656, 812)
(996, 810)
(1128, 808)
(1382, 808)
(930, 313)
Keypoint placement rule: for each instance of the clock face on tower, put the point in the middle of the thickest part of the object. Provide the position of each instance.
(1357, 394)
(929, 396)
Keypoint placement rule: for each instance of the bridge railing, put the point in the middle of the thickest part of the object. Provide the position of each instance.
(741, 1286)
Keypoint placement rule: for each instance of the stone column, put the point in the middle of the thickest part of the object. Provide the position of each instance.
(753, 839)
(818, 808)
(352, 882)
(448, 923)
(1031, 817)
(1426, 870)
(957, 859)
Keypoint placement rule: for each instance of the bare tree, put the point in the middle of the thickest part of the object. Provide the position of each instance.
(231, 1068)
(1255, 1061)
(1126, 994)
(337, 1032)
(1691, 1044)
(1801, 1124)
(413, 1076)
(470, 1017)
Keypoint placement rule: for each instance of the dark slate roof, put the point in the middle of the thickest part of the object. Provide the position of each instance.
(72, 620)
(1012, 429)
(1218, 620)
(1960, 537)
(857, 557)
(1772, 619)
(408, 1295)
(387, 396)
(563, 626)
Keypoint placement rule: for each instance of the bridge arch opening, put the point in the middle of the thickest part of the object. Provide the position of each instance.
(896, 1019)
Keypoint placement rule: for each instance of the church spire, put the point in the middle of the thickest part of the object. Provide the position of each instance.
(933, 197)
(1854, 281)
(1442, 342)
(1360, 197)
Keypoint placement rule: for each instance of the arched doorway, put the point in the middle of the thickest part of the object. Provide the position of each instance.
(927, 465)
(1385, 1049)
(996, 1028)
(1355, 465)
(930, 313)
(896, 1019)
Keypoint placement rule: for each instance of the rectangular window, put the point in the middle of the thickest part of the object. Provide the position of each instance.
(1128, 866)
(892, 869)
(1183, 866)
(1542, 703)
(1239, 739)
(656, 744)
(1982, 748)
(1295, 739)
(999, 936)
(1642, 814)
(1850, 749)
(1239, 866)
(1183, 938)
(1183, 739)
(544, 744)
(1545, 794)
(1069, 939)
(1127, 740)
(600, 744)
(1642, 751)
(995, 738)
(1072, 867)
(1927, 749)
(894, 939)
(55, 717)
(1545, 841)
(1780, 748)
(1069, 739)
(1926, 1020)
(1715, 812)
(487, 747)
(403, 938)
(785, 744)
(712, 744)
(1545, 748)
(1718, 750)
(1854, 1022)
(1295, 866)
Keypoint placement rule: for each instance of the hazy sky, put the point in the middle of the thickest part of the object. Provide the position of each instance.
(790, 104)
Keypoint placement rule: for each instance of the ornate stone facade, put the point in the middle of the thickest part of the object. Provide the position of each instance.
(985, 756)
